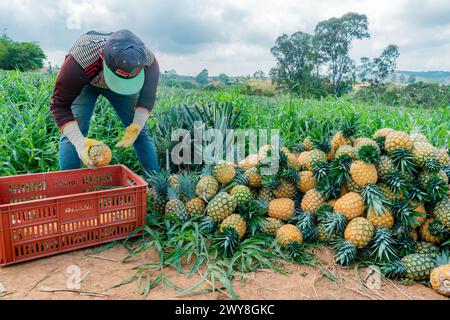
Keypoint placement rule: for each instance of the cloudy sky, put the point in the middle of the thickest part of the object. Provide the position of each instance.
(232, 36)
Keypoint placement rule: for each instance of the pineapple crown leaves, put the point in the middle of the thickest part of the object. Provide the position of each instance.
(436, 189)
(296, 252)
(207, 170)
(308, 226)
(239, 178)
(226, 242)
(345, 252)
(334, 223)
(437, 229)
(432, 165)
(392, 269)
(159, 182)
(290, 175)
(323, 210)
(172, 193)
(381, 142)
(253, 212)
(403, 161)
(383, 246)
(329, 188)
(340, 168)
(298, 148)
(323, 144)
(404, 213)
(374, 198)
(446, 169)
(405, 244)
(415, 192)
(369, 154)
(187, 182)
(349, 127)
(321, 170)
(443, 258)
(207, 225)
(397, 182)
(271, 182)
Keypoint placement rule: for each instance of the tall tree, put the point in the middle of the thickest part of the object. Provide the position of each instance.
(378, 70)
(20, 55)
(293, 55)
(202, 77)
(333, 38)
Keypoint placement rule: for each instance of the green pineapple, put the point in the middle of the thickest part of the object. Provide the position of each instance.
(442, 211)
(416, 266)
(270, 226)
(159, 184)
(194, 205)
(175, 207)
(221, 206)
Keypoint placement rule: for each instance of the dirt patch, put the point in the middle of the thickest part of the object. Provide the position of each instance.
(47, 279)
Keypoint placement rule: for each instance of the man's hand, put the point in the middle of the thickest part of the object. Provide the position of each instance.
(81, 144)
(133, 130)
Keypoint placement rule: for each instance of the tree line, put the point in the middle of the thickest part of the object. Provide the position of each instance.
(319, 64)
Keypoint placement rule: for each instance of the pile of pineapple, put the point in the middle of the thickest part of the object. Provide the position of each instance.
(382, 200)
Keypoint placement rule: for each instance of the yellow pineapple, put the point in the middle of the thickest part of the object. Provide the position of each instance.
(254, 178)
(442, 156)
(423, 151)
(359, 232)
(363, 173)
(282, 209)
(266, 194)
(312, 200)
(315, 156)
(207, 187)
(351, 205)
(285, 190)
(384, 166)
(345, 149)
(293, 162)
(418, 137)
(224, 173)
(339, 140)
(426, 235)
(440, 279)
(303, 158)
(382, 133)
(308, 144)
(396, 140)
(100, 154)
(250, 161)
(287, 234)
(236, 222)
(381, 220)
(306, 181)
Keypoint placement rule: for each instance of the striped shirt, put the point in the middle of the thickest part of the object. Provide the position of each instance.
(83, 65)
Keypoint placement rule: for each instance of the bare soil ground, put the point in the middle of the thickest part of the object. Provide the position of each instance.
(47, 278)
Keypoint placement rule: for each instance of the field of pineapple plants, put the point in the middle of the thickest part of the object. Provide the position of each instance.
(368, 182)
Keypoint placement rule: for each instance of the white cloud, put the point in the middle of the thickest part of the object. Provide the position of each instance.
(233, 36)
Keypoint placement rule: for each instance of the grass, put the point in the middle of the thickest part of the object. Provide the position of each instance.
(29, 138)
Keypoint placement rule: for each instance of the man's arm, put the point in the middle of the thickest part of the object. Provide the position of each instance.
(147, 95)
(147, 98)
(71, 79)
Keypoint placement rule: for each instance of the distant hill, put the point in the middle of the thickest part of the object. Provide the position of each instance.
(426, 76)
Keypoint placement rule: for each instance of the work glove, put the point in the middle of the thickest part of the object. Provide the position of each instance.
(81, 144)
(134, 129)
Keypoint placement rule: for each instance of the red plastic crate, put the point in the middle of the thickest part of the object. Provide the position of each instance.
(49, 213)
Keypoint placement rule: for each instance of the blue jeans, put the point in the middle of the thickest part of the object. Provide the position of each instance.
(83, 108)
